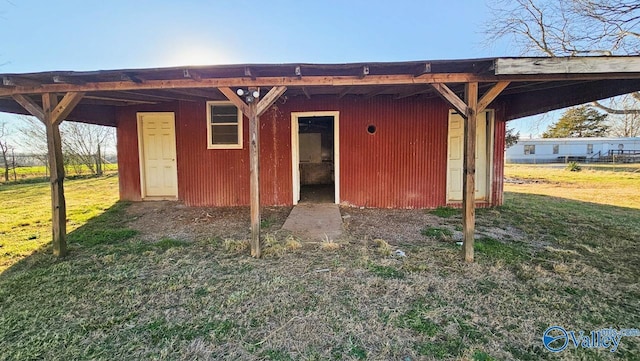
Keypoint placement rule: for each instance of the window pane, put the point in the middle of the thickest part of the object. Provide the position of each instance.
(224, 114)
(556, 149)
(224, 134)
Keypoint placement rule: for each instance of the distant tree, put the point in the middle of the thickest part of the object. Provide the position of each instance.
(570, 28)
(578, 122)
(511, 138)
(82, 144)
(625, 124)
(4, 149)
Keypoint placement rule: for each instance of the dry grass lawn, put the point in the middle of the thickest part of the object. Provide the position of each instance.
(165, 282)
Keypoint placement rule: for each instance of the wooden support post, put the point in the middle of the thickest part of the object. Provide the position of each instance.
(253, 111)
(51, 114)
(254, 176)
(56, 174)
(469, 171)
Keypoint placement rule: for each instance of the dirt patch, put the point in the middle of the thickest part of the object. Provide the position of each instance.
(166, 219)
(517, 180)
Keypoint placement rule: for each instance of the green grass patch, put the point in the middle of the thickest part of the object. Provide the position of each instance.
(417, 319)
(436, 232)
(445, 212)
(168, 243)
(496, 250)
(385, 271)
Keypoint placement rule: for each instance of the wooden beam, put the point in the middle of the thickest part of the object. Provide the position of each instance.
(376, 91)
(491, 94)
(401, 79)
(584, 65)
(451, 97)
(346, 91)
(66, 105)
(270, 98)
(31, 106)
(306, 92)
(469, 171)
(235, 99)
(56, 173)
(114, 100)
(254, 177)
(412, 93)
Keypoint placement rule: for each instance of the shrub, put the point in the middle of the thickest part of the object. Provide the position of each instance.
(573, 167)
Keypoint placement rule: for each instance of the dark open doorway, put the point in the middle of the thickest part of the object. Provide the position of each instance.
(316, 159)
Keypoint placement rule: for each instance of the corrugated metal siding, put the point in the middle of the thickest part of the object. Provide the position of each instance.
(128, 156)
(402, 165)
(216, 177)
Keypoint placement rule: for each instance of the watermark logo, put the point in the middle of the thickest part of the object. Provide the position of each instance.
(557, 338)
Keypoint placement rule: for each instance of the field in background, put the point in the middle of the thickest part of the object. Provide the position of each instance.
(137, 285)
(604, 184)
(25, 212)
(39, 173)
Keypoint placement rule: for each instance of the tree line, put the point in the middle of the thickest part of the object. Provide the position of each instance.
(83, 146)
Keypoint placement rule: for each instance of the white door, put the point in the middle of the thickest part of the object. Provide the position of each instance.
(157, 136)
(456, 157)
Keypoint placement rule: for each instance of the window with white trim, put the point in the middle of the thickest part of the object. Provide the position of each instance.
(224, 125)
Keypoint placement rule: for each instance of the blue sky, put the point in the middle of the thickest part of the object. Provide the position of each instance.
(113, 34)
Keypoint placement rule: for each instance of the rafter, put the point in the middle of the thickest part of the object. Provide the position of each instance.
(451, 97)
(66, 105)
(29, 105)
(270, 98)
(491, 94)
(235, 99)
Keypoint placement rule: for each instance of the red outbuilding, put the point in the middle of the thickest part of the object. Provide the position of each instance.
(419, 134)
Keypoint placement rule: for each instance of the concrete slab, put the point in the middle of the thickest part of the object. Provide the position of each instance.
(312, 221)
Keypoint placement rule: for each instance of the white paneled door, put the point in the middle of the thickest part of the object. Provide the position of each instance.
(456, 157)
(157, 138)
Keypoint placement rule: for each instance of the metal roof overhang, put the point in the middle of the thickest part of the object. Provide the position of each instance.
(536, 85)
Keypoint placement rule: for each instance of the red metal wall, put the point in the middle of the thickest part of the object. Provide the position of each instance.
(402, 165)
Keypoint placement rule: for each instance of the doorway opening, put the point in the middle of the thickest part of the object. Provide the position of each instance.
(315, 157)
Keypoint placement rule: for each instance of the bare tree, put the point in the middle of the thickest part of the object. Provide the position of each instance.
(82, 144)
(623, 124)
(571, 28)
(4, 149)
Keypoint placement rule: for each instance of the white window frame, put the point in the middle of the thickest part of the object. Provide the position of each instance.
(210, 144)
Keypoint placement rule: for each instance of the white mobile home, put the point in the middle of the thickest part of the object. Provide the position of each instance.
(561, 150)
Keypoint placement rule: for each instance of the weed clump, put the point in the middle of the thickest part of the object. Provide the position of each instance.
(573, 167)
(383, 248)
(237, 246)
